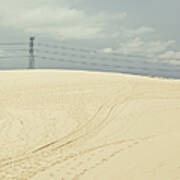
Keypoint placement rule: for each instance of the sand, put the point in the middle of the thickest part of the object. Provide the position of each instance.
(70, 125)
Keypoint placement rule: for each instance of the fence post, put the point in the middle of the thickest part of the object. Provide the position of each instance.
(31, 53)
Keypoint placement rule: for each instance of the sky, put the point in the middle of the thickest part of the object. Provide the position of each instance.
(139, 27)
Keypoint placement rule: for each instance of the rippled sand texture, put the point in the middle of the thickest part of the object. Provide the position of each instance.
(64, 125)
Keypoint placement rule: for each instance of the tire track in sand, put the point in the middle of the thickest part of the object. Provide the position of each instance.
(42, 158)
(62, 150)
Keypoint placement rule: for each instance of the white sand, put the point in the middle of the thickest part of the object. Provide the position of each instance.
(65, 125)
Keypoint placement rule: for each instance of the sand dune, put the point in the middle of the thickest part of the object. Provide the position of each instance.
(65, 125)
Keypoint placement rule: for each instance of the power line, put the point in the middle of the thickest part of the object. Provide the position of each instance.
(89, 51)
(13, 49)
(82, 56)
(116, 66)
(67, 48)
(122, 60)
(88, 58)
(99, 52)
(7, 57)
(12, 44)
(69, 60)
(103, 57)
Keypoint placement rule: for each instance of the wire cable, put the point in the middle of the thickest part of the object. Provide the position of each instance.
(7, 57)
(99, 52)
(12, 44)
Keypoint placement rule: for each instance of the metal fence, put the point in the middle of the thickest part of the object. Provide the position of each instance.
(39, 55)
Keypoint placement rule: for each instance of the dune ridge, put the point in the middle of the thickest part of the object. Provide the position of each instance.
(63, 125)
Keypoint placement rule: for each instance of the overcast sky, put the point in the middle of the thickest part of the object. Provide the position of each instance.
(133, 27)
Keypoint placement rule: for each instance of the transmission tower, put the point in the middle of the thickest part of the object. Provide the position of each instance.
(31, 53)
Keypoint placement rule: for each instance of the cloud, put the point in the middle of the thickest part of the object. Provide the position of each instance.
(59, 20)
(171, 56)
(140, 31)
(139, 46)
(1, 52)
(129, 47)
(136, 43)
(107, 50)
(154, 47)
(156, 51)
